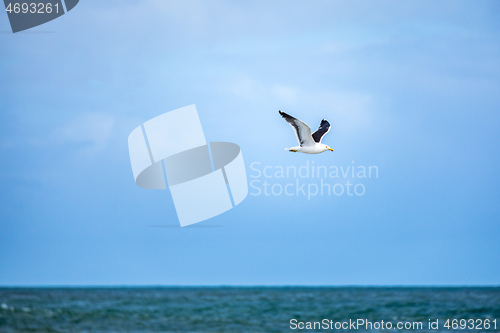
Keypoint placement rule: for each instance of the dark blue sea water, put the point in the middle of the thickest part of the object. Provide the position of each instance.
(245, 309)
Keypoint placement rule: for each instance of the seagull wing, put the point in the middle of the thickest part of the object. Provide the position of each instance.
(302, 131)
(323, 128)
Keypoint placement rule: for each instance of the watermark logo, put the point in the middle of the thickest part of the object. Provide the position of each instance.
(310, 180)
(26, 14)
(205, 179)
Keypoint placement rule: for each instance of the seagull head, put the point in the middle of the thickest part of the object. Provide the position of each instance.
(328, 148)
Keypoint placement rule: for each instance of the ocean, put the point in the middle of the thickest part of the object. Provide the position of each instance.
(250, 309)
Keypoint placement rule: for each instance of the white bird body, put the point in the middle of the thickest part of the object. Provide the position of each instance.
(308, 143)
(315, 149)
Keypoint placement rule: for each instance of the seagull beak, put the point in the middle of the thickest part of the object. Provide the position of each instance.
(330, 149)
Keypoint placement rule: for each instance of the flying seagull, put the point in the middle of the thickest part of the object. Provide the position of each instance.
(309, 144)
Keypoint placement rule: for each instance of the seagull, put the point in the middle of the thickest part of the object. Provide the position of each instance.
(309, 144)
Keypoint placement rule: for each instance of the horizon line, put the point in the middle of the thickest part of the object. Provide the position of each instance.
(252, 286)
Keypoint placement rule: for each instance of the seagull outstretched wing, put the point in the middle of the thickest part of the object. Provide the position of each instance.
(302, 131)
(324, 127)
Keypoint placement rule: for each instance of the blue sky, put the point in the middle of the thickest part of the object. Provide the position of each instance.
(411, 87)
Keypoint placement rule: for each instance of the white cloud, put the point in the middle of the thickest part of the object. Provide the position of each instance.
(244, 87)
(91, 128)
(287, 94)
(352, 109)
